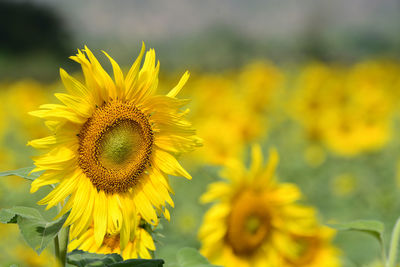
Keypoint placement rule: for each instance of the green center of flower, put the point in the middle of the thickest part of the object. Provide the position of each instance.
(249, 223)
(305, 251)
(253, 223)
(119, 143)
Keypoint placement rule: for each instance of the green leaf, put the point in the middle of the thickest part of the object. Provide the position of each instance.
(374, 228)
(139, 263)
(11, 215)
(85, 259)
(81, 259)
(189, 257)
(36, 231)
(23, 172)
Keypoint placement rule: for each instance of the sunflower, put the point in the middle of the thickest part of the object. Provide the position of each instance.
(113, 144)
(255, 218)
(312, 250)
(25, 256)
(242, 123)
(138, 245)
(348, 110)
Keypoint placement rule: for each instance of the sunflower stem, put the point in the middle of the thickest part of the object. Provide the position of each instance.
(56, 247)
(63, 245)
(391, 262)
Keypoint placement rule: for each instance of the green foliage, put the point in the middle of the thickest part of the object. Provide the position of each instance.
(23, 172)
(37, 231)
(139, 263)
(81, 259)
(85, 259)
(374, 228)
(189, 257)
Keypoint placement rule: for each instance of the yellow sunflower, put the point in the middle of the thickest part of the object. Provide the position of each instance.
(114, 142)
(349, 110)
(138, 245)
(243, 124)
(255, 217)
(312, 250)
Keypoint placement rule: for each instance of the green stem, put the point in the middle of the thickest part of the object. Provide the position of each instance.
(57, 247)
(63, 235)
(383, 252)
(391, 262)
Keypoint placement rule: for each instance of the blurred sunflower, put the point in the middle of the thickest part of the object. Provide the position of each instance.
(312, 250)
(255, 218)
(28, 257)
(315, 89)
(113, 144)
(3, 117)
(349, 110)
(32, 94)
(232, 115)
(260, 83)
(138, 245)
(350, 135)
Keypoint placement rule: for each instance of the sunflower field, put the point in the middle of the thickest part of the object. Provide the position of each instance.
(117, 159)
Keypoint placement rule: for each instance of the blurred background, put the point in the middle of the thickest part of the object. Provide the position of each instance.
(317, 79)
(206, 35)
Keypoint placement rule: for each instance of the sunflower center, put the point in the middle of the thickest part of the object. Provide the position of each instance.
(305, 251)
(115, 145)
(248, 223)
(111, 241)
(119, 144)
(252, 224)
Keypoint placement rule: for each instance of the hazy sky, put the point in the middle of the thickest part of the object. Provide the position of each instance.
(218, 34)
(158, 19)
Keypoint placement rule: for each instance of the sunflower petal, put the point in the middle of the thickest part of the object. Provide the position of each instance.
(169, 164)
(175, 91)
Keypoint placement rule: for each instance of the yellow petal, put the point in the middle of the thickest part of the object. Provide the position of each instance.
(174, 92)
(57, 112)
(216, 191)
(80, 200)
(65, 188)
(118, 76)
(103, 79)
(73, 86)
(114, 214)
(168, 164)
(126, 227)
(144, 207)
(257, 159)
(132, 76)
(77, 104)
(268, 173)
(96, 90)
(147, 240)
(84, 221)
(56, 159)
(100, 215)
(166, 214)
(158, 183)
